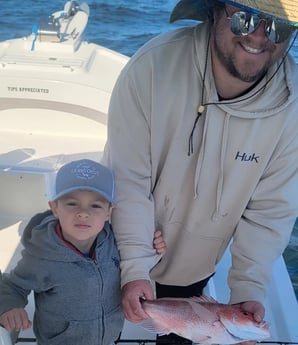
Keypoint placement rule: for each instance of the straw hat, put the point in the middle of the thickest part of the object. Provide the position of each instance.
(199, 9)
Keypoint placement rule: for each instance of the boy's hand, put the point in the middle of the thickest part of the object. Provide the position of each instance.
(15, 319)
(158, 243)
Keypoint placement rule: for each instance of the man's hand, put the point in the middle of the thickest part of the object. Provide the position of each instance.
(132, 294)
(158, 243)
(258, 311)
(15, 319)
(254, 307)
(134, 291)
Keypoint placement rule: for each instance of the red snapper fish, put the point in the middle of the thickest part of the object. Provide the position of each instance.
(203, 320)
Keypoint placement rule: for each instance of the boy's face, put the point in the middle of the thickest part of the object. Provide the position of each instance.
(82, 215)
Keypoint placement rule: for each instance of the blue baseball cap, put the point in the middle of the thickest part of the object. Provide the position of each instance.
(84, 174)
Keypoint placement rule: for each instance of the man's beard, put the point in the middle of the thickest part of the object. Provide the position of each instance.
(228, 62)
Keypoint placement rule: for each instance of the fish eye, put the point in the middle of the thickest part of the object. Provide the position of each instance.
(245, 313)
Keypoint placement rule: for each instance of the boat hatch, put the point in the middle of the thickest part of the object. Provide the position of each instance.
(41, 61)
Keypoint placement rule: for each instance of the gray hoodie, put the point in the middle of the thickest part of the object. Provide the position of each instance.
(77, 299)
(240, 182)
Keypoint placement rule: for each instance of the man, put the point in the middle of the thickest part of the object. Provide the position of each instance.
(202, 139)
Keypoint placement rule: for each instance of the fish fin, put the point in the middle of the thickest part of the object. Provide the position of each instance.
(151, 326)
(217, 324)
(204, 298)
(201, 311)
(202, 341)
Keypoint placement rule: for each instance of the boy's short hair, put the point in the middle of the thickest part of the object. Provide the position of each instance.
(84, 174)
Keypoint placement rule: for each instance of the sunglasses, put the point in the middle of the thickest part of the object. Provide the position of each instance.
(243, 23)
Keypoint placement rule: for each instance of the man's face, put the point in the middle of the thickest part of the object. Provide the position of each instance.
(246, 58)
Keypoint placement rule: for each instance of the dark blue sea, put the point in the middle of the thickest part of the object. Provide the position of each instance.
(121, 25)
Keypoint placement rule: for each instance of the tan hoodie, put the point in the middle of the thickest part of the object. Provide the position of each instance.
(240, 182)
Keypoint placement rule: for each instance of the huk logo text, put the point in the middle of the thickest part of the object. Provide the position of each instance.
(245, 157)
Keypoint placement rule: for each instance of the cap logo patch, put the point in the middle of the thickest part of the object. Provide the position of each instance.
(84, 171)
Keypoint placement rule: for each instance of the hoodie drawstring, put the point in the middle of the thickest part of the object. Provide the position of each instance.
(220, 182)
(201, 157)
(190, 140)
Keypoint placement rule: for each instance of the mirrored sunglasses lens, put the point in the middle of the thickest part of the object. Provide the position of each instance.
(240, 23)
(244, 23)
(281, 31)
(253, 23)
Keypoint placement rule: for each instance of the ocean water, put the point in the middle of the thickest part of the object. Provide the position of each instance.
(121, 25)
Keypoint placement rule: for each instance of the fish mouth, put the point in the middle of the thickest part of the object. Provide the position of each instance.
(248, 335)
(246, 331)
(237, 339)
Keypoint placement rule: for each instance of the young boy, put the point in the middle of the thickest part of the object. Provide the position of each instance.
(71, 262)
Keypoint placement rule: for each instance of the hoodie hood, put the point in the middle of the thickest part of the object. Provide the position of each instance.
(41, 240)
(274, 93)
(270, 96)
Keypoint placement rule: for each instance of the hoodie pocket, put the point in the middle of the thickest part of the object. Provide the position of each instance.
(73, 333)
(190, 256)
(113, 325)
